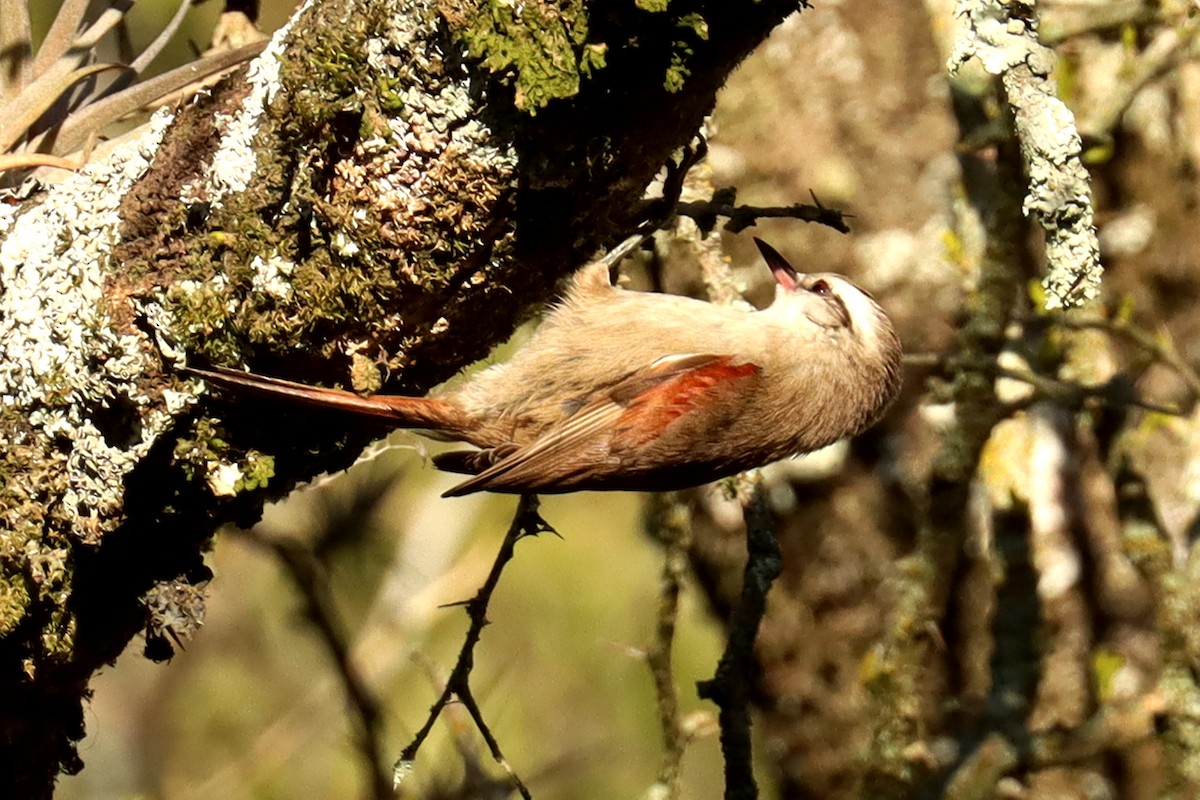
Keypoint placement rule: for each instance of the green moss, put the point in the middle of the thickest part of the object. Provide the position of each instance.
(35, 561)
(388, 94)
(257, 471)
(364, 374)
(14, 598)
(293, 211)
(537, 43)
(693, 27)
(544, 47)
(695, 23)
(594, 58)
(324, 70)
(677, 72)
(197, 455)
(194, 453)
(200, 310)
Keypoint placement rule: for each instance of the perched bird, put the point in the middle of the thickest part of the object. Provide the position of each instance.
(641, 391)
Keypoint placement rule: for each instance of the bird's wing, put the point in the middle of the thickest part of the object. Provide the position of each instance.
(636, 410)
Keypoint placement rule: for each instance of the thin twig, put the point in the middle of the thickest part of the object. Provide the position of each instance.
(1114, 393)
(526, 522)
(310, 578)
(1160, 346)
(668, 521)
(659, 213)
(730, 687)
(476, 782)
(1070, 394)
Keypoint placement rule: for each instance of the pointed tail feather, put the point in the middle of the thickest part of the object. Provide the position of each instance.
(399, 412)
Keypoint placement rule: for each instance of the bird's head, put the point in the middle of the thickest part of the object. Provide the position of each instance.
(830, 303)
(829, 310)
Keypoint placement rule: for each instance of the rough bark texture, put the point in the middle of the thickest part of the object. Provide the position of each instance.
(377, 201)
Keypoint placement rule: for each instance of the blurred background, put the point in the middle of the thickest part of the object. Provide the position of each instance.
(848, 101)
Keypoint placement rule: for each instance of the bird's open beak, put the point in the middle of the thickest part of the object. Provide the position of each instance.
(785, 274)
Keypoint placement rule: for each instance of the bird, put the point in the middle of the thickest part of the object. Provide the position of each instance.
(643, 391)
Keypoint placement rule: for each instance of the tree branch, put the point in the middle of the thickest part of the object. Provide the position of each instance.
(1004, 39)
(526, 522)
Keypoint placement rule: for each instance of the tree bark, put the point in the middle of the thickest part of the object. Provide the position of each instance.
(376, 201)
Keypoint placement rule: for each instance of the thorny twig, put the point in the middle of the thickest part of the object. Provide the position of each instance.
(730, 687)
(705, 213)
(722, 202)
(526, 522)
(310, 578)
(475, 781)
(659, 212)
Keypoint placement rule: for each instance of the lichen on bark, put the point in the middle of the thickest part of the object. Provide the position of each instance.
(1059, 197)
(367, 204)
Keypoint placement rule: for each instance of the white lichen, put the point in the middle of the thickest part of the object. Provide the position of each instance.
(235, 162)
(272, 275)
(343, 245)
(223, 479)
(61, 358)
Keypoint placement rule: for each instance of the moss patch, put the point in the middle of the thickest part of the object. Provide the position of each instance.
(541, 44)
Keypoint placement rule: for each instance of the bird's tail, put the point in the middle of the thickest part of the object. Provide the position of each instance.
(392, 410)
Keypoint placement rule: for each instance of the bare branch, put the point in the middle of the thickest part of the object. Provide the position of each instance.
(667, 520)
(526, 522)
(722, 204)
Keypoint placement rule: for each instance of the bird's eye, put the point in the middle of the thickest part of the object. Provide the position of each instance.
(821, 287)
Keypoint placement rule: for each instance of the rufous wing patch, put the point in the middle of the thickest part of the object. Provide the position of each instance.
(649, 413)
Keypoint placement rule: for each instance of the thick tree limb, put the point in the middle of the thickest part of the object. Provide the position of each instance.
(377, 200)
